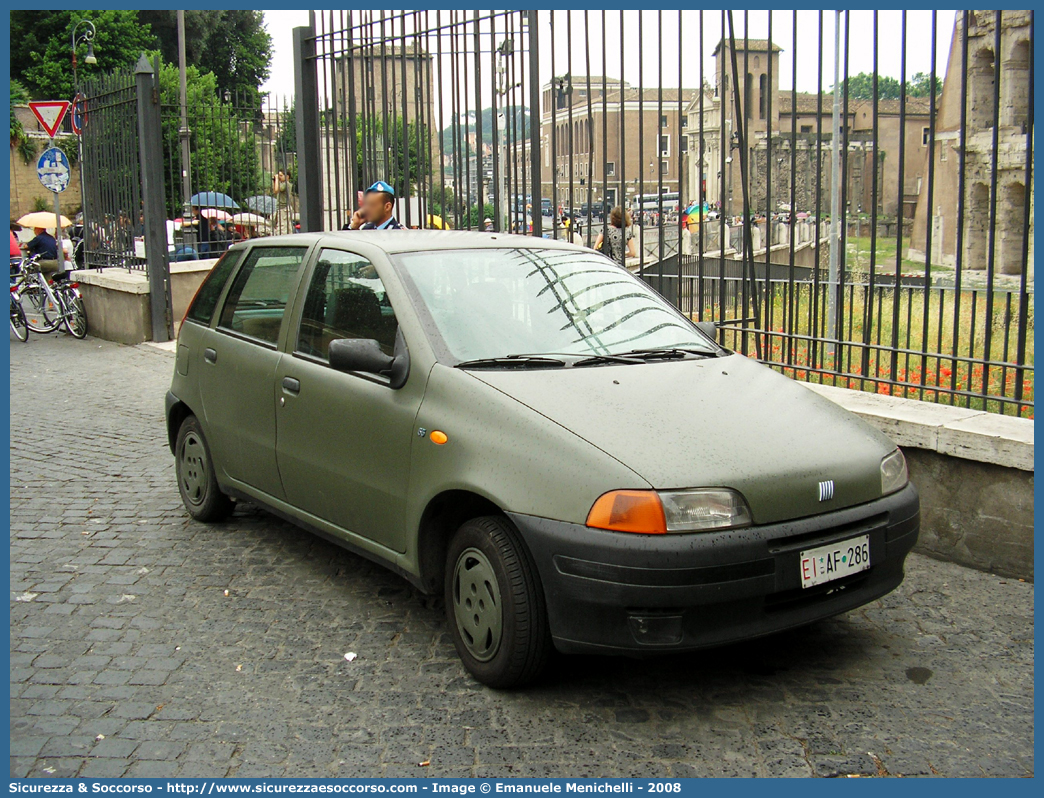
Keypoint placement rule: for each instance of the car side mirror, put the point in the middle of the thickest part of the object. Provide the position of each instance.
(365, 355)
(708, 328)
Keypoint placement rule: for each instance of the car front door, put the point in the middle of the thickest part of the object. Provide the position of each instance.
(240, 357)
(345, 438)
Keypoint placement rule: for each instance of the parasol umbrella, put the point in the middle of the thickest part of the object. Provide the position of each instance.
(212, 199)
(43, 219)
(261, 203)
(214, 213)
(437, 222)
(250, 219)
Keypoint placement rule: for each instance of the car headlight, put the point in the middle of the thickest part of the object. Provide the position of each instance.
(893, 473)
(660, 512)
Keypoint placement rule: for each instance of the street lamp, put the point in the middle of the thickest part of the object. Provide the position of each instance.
(87, 36)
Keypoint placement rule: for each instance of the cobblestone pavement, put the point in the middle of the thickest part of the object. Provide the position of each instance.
(144, 644)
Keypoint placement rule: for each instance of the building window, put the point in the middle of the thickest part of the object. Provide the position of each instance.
(663, 121)
(610, 168)
(925, 136)
(763, 105)
(665, 146)
(664, 167)
(684, 143)
(806, 128)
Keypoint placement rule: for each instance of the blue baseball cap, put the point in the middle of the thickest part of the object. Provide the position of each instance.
(381, 187)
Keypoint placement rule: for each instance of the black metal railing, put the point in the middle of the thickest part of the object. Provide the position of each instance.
(113, 222)
(855, 215)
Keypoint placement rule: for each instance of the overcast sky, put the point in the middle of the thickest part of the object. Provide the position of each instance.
(861, 44)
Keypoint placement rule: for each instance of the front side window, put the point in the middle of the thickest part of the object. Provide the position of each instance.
(491, 303)
(202, 309)
(346, 299)
(257, 300)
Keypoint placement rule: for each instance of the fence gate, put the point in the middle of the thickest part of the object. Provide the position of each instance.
(124, 221)
(112, 210)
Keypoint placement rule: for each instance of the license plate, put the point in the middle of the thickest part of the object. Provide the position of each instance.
(826, 563)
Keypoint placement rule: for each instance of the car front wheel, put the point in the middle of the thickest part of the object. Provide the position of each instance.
(195, 471)
(495, 604)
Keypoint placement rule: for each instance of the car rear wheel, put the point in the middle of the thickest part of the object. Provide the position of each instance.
(495, 604)
(195, 471)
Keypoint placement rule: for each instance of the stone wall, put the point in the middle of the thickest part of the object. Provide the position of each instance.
(26, 187)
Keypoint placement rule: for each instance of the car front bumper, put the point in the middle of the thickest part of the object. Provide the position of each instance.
(614, 592)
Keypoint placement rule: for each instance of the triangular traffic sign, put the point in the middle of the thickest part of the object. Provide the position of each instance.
(50, 113)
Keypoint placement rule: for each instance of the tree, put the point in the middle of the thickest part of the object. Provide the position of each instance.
(19, 140)
(921, 86)
(371, 132)
(41, 57)
(224, 155)
(234, 45)
(861, 86)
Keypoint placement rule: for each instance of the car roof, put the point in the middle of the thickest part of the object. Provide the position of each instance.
(393, 241)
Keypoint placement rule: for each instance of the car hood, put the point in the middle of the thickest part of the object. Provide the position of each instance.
(720, 422)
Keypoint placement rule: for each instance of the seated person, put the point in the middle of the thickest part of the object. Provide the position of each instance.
(44, 245)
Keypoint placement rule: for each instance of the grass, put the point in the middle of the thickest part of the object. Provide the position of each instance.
(926, 363)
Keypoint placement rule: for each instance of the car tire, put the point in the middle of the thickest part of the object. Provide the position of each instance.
(495, 604)
(195, 471)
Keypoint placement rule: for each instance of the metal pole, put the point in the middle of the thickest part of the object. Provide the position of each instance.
(537, 187)
(835, 194)
(150, 147)
(58, 228)
(188, 233)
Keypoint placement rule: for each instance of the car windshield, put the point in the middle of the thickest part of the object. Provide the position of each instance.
(498, 303)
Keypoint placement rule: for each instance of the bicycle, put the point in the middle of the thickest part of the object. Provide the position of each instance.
(19, 325)
(49, 305)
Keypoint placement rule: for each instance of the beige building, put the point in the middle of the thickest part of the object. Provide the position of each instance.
(800, 125)
(580, 137)
(985, 66)
(379, 85)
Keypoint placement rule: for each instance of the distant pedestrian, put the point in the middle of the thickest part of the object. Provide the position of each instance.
(617, 239)
(282, 190)
(487, 225)
(377, 209)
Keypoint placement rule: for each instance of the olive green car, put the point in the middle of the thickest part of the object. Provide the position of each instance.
(527, 428)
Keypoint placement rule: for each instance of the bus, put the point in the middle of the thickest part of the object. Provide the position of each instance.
(649, 203)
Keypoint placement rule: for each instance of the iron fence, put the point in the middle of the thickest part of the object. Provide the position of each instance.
(848, 195)
(111, 178)
(238, 143)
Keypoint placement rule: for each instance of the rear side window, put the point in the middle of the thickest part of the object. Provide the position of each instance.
(257, 300)
(202, 308)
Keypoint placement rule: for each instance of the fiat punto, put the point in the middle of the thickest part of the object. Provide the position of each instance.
(531, 431)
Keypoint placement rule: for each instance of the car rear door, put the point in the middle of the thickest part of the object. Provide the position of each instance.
(344, 438)
(237, 373)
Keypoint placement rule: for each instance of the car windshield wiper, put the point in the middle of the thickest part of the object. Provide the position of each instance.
(601, 360)
(667, 353)
(513, 362)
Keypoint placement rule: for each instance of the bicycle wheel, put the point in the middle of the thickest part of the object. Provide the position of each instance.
(74, 314)
(41, 314)
(19, 326)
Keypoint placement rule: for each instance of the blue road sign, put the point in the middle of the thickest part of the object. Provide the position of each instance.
(53, 170)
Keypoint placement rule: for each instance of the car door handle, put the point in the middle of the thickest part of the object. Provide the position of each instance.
(290, 385)
(210, 355)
